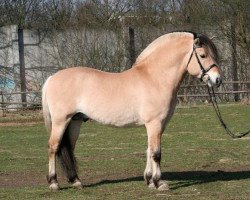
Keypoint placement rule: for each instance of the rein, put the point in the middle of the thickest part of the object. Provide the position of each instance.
(218, 113)
(213, 97)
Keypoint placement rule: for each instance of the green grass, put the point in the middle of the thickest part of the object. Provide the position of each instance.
(198, 159)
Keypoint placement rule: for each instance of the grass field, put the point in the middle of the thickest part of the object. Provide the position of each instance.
(198, 159)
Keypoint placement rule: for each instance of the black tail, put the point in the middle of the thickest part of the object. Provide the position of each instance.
(67, 158)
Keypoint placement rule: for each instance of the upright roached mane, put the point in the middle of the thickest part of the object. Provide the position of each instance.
(159, 42)
(144, 95)
(205, 41)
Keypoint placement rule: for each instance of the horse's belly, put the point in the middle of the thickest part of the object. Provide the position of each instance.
(119, 122)
(113, 116)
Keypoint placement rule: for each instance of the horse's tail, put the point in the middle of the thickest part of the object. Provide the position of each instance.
(46, 112)
(66, 155)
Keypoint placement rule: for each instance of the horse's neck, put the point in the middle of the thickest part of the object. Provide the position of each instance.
(168, 68)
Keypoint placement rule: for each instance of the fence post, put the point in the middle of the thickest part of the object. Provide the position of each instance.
(2, 104)
(22, 66)
(131, 45)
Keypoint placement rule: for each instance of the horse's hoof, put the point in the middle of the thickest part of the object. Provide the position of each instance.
(163, 186)
(54, 186)
(151, 185)
(77, 185)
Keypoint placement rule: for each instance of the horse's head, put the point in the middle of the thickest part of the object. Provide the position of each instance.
(203, 61)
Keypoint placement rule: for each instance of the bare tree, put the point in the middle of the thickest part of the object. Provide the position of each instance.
(235, 27)
(24, 14)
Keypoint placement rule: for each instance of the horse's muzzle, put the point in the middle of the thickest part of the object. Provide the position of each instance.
(212, 80)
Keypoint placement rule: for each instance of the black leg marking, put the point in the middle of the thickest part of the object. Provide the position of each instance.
(157, 156)
(148, 177)
(73, 179)
(156, 181)
(52, 178)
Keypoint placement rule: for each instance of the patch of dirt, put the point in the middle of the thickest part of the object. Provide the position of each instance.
(26, 179)
(19, 118)
(21, 179)
(225, 160)
(29, 179)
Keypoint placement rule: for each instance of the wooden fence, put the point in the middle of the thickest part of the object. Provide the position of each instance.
(187, 94)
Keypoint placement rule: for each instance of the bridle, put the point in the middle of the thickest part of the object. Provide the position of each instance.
(203, 70)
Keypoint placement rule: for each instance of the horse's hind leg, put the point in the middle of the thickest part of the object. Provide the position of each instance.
(54, 142)
(152, 172)
(73, 131)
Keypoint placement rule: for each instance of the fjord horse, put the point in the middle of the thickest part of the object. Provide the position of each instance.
(143, 95)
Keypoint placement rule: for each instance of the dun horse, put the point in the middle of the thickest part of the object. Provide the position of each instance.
(143, 95)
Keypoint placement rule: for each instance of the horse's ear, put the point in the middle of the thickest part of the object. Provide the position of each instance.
(197, 43)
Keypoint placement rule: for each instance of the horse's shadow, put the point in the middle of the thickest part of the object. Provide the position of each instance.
(185, 179)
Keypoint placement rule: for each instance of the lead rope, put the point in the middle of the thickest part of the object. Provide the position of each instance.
(218, 113)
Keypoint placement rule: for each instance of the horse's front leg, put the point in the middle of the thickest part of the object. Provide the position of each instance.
(152, 172)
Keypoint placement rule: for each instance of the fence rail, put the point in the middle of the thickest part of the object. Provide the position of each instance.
(16, 105)
(218, 93)
(225, 83)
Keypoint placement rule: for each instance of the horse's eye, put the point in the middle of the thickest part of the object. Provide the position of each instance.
(203, 56)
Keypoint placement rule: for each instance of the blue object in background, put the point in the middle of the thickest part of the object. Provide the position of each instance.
(6, 83)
